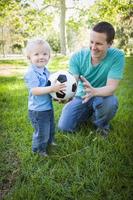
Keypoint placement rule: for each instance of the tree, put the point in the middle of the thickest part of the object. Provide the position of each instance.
(124, 28)
(6, 8)
(119, 13)
(61, 7)
(62, 26)
(58, 6)
(27, 18)
(20, 22)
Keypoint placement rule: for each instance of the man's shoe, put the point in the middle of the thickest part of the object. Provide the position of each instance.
(103, 131)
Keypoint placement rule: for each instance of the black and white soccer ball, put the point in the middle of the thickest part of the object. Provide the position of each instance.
(70, 82)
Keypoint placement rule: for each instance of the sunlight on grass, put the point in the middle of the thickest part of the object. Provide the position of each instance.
(58, 63)
(13, 62)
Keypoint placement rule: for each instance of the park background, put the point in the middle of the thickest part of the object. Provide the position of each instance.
(83, 166)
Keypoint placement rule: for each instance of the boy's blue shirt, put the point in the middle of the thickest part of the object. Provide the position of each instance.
(111, 67)
(38, 77)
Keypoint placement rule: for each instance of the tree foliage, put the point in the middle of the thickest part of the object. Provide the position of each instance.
(117, 12)
(22, 19)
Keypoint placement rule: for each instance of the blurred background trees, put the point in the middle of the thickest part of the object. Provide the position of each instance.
(64, 24)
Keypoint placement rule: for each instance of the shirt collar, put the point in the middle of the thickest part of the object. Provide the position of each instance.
(38, 69)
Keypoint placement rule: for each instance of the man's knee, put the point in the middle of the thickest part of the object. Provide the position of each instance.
(110, 105)
(64, 128)
(105, 106)
(65, 122)
(70, 115)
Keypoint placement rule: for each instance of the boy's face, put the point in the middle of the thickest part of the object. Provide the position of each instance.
(39, 55)
(98, 45)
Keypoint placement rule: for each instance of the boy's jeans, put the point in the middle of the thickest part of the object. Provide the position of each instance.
(100, 109)
(43, 124)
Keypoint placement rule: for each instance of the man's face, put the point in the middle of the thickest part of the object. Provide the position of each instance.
(98, 45)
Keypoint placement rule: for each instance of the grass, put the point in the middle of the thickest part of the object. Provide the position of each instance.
(83, 166)
(56, 62)
(11, 62)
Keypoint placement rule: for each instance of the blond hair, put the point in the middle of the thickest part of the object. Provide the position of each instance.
(35, 41)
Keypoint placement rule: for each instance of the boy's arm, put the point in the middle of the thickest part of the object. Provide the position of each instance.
(58, 87)
(32, 83)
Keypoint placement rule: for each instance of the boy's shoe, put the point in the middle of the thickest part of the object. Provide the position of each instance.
(53, 144)
(43, 154)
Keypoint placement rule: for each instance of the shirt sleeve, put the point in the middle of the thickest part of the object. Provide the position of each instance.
(117, 69)
(31, 80)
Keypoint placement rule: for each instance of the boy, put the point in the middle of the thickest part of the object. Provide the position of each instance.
(40, 102)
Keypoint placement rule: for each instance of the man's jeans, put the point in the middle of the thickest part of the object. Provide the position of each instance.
(99, 109)
(43, 124)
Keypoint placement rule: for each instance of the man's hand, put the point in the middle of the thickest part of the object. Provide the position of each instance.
(90, 91)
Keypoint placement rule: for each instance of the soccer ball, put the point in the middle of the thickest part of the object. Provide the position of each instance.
(69, 80)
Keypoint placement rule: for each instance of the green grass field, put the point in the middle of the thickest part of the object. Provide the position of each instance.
(83, 166)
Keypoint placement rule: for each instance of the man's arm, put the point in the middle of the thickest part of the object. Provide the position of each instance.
(107, 90)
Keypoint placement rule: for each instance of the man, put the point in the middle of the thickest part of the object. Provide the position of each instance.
(98, 71)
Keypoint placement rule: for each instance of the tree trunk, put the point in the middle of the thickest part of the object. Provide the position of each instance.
(3, 42)
(62, 27)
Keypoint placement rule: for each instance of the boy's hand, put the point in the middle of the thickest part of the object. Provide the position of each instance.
(58, 87)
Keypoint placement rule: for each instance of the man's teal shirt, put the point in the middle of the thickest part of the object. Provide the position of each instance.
(110, 67)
